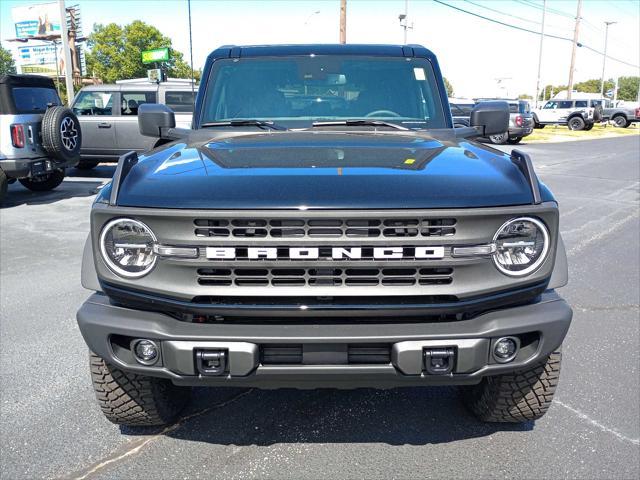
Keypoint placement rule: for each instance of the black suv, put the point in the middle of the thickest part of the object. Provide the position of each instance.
(324, 225)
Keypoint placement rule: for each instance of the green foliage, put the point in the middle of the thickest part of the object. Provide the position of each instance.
(448, 87)
(525, 96)
(628, 88)
(116, 52)
(7, 65)
(593, 86)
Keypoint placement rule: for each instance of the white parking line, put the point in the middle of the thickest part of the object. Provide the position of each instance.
(593, 422)
(601, 234)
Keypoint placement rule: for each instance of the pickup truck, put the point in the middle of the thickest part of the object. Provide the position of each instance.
(622, 115)
(323, 224)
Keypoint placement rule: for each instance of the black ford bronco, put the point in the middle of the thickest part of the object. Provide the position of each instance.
(324, 225)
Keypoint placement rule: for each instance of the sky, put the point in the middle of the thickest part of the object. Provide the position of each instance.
(480, 58)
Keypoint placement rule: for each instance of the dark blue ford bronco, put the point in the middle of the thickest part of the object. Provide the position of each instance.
(324, 225)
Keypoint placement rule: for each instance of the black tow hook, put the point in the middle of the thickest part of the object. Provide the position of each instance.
(211, 362)
(439, 361)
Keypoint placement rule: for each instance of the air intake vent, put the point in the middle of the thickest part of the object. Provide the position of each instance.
(369, 353)
(281, 354)
(325, 276)
(325, 228)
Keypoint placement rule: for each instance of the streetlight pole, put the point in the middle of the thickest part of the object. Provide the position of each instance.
(68, 72)
(604, 57)
(343, 21)
(576, 34)
(544, 11)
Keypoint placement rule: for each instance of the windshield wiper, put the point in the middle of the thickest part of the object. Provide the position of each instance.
(359, 123)
(263, 124)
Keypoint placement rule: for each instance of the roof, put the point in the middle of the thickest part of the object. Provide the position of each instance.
(27, 81)
(236, 51)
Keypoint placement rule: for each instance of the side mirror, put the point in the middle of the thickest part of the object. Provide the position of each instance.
(155, 119)
(490, 118)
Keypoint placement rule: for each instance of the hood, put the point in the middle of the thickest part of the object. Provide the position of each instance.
(325, 170)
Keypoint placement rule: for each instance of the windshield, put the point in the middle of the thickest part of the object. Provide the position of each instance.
(315, 88)
(34, 99)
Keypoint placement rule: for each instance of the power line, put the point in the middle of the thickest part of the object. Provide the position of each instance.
(557, 37)
(502, 13)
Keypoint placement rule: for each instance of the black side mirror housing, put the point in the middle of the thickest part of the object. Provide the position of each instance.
(154, 120)
(490, 118)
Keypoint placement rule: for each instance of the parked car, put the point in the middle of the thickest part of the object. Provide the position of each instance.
(39, 137)
(622, 115)
(350, 238)
(109, 116)
(577, 114)
(520, 118)
(520, 121)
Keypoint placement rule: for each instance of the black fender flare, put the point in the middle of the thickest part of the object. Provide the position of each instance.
(560, 275)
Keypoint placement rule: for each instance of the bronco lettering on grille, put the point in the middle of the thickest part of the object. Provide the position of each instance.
(323, 253)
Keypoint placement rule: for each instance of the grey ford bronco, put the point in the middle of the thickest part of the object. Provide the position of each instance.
(323, 224)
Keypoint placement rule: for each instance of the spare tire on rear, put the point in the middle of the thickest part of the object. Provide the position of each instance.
(61, 134)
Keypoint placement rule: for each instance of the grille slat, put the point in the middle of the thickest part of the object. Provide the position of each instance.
(325, 228)
(319, 277)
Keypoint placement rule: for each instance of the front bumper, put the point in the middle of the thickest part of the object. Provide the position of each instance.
(542, 326)
(29, 167)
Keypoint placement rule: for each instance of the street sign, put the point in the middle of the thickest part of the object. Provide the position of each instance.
(155, 55)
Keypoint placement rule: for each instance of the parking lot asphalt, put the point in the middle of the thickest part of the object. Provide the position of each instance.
(50, 425)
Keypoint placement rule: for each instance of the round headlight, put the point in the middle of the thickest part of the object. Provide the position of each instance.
(521, 246)
(127, 247)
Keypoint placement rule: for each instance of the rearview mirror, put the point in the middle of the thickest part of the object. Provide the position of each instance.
(490, 118)
(155, 119)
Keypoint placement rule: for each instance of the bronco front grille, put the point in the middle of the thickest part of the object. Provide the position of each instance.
(325, 276)
(324, 227)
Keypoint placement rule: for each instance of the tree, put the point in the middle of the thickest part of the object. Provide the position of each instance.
(593, 86)
(525, 96)
(448, 87)
(628, 88)
(7, 65)
(116, 52)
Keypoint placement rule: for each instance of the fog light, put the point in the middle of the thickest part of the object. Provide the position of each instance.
(505, 349)
(145, 351)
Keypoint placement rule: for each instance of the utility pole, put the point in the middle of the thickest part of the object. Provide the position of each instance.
(604, 57)
(68, 67)
(193, 82)
(544, 11)
(343, 21)
(576, 34)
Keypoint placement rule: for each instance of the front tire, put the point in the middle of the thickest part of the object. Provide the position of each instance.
(588, 126)
(130, 399)
(516, 397)
(576, 123)
(515, 140)
(43, 183)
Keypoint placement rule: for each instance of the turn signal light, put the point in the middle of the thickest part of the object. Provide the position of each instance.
(17, 135)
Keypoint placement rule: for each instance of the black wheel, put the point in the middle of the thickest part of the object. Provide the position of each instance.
(620, 121)
(588, 126)
(598, 113)
(44, 183)
(499, 139)
(4, 185)
(87, 164)
(130, 399)
(576, 123)
(61, 134)
(536, 124)
(515, 397)
(515, 140)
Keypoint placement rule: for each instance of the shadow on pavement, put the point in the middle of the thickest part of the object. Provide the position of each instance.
(77, 183)
(413, 416)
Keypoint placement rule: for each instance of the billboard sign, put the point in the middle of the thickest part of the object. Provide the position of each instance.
(40, 59)
(156, 55)
(42, 19)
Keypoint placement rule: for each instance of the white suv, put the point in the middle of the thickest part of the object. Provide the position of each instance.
(577, 114)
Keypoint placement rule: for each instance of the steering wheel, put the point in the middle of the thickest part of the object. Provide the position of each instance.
(377, 113)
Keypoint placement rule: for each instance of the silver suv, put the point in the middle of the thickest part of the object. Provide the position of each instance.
(109, 116)
(39, 137)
